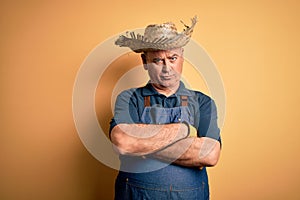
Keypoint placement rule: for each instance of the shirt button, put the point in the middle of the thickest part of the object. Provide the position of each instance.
(179, 119)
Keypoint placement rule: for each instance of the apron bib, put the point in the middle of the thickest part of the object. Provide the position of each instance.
(153, 179)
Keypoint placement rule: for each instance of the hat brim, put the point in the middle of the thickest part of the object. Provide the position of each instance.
(138, 43)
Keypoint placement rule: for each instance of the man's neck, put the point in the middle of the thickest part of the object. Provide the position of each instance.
(167, 91)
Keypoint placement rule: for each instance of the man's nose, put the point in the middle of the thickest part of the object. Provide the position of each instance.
(166, 66)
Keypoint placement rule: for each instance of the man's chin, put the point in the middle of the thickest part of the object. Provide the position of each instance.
(166, 85)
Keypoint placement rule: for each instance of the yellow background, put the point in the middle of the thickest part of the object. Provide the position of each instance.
(255, 45)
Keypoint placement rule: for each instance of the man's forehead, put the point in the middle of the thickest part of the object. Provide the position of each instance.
(177, 51)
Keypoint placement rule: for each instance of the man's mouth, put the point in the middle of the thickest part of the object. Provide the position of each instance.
(166, 77)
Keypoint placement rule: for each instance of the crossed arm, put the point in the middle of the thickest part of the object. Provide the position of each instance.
(168, 142)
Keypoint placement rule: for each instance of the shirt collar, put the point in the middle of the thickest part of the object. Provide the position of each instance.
(149, 90)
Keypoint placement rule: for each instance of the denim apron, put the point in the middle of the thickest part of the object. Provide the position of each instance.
(141, 178)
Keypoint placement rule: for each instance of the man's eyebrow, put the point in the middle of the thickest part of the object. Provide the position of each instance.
(168, 56)
(156, 59)
(174, 54)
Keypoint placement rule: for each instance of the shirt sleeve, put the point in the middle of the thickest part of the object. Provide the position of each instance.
(125, 109)
(208, 123)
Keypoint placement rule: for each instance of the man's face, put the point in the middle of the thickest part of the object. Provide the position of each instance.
(164, 67)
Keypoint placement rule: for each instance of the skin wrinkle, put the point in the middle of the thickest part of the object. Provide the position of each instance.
(164, 75)
(206, 147)
(135, 130)
(172, 153)
(134, 145)
(189, 152)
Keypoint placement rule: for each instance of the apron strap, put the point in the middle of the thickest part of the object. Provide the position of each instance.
(147, 101)
(184, 100)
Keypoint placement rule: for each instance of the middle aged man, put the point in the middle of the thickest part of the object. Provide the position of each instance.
(166, 134)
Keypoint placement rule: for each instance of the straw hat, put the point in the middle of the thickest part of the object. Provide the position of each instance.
(157, 37)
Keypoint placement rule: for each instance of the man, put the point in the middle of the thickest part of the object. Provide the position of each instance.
(166, 134)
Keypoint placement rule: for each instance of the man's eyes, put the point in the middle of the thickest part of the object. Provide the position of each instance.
(160, 60)
(173, 58)
(157, 60)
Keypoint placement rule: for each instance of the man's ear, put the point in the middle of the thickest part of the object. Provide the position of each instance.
(143, 56)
